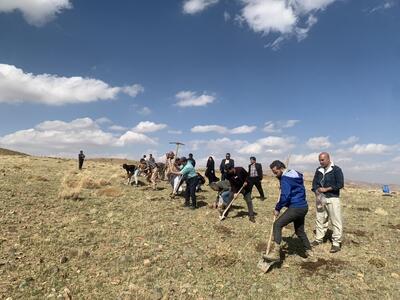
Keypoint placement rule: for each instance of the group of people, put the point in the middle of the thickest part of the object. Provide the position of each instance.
(326, 185)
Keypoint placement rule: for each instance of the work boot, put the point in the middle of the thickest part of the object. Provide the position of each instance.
(274, 254)
(335, 249)
(315, 243)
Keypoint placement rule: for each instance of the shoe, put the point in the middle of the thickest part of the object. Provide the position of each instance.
(335, 249)
(274, 254)
(192, 207)
(186, 204)
(252, 219)
(315, 243)
(262, 198)
(309, 253)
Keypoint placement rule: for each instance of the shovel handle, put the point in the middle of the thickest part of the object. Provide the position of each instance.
(230, 204)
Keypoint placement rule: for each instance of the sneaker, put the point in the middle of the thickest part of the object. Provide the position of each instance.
(252, 219)
(315, 243)
(335, 249)
(309, 253)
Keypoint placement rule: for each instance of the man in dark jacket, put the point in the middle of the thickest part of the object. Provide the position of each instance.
(81, 159)
(191, 159)
(255, 176)
(226, 163)
(293, 196)
(238, 178)
(327, 182)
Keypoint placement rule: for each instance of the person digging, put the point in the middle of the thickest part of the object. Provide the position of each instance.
(238, 177)
(292, 196)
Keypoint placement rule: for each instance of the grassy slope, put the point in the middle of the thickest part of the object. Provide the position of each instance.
(4, 151)
(142, 245)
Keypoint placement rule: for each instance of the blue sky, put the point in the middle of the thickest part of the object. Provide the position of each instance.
(253, 77)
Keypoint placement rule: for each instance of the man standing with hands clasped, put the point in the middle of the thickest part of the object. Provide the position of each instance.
(256, 176)
(327, 182)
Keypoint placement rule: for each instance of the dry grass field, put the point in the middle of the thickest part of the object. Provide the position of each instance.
(67, 234)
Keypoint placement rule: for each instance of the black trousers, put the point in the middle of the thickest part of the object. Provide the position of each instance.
(254, 181)
(80, 164)
(190, 192)
(297, 216)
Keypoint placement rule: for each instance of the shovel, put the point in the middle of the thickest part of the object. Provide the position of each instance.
(222, 217)
(265, 264)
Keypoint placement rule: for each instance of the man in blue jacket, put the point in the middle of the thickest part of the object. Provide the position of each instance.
(293, 196)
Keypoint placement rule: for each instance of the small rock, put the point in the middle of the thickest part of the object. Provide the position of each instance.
(147, 262)
(395, 275)
(381, 212)
(63, 259)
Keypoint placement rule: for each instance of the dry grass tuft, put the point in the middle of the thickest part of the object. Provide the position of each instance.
(90, 183)
(110, 192)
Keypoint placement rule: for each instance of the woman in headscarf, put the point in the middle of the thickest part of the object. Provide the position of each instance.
(210, 171)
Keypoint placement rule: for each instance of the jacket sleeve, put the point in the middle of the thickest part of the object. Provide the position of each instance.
(221, 166)
(339, 179)
(315, 184)
(260, 172)
(285, 195)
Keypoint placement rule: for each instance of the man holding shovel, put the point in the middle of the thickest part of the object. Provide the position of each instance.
(293, 196)
(238, 177)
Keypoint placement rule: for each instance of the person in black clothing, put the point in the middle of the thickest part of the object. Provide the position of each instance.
(226, 163)
(255, 176)
(152, 159)
(238, 178)
(81, 158)
(191, 159)
(210, 171)
(130, 171)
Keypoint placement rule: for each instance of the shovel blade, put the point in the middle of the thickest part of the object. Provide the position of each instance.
(264, 265)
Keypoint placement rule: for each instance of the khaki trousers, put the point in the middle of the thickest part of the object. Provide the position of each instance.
(330, 211)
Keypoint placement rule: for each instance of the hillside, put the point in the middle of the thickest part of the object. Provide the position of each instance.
(4, 151)
(85, 235)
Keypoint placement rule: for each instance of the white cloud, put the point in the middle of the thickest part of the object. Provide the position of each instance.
(383, 6)
(271, 144)
(287, 18)
(133, 90)
(175, 131)
(222, 129)
(243, 129)
(131, 137)
(209, 128)
(17, 86)
(103, 120)
(144, 111)
(321, 142)
(147, 126)
(188, 99)
(195, 6)
(227, 16)
(350, 140)
(276, 127)
(55, 137)
(36, 12)
(118, 128)
(301, 159)
(371, 149)
(396, 159)
(217, 146)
